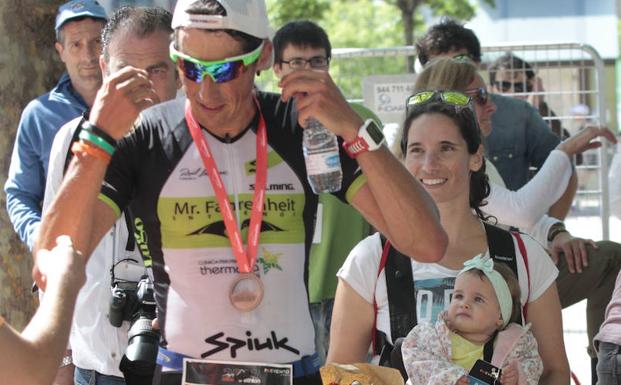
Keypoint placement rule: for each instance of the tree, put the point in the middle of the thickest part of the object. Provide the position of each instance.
(459, 9)
(29, 67)
(280, 12)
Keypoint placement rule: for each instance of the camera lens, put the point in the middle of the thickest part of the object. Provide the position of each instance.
(143, 340)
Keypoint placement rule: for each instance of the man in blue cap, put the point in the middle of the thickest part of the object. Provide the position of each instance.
(78, 42)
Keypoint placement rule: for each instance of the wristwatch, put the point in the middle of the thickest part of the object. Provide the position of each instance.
(370, 138)
(556, 229)
(66, 361)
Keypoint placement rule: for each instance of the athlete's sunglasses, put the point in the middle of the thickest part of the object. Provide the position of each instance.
(219, 71)
(453, 98)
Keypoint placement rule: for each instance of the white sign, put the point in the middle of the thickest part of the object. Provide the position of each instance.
(386, 95)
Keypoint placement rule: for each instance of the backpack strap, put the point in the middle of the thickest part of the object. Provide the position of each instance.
(502, 249)
(488, 348)
(400, 291)
(522, 248)
(378, 338)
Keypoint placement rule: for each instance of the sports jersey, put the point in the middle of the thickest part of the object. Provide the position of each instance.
(433, 283)
(159, 173)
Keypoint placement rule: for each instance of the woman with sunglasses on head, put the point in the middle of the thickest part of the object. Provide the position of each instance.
(526, 207)
(443, 148)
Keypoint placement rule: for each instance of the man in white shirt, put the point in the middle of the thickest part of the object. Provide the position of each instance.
(138, 37)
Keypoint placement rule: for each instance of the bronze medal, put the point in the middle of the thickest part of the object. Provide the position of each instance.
(246, 292)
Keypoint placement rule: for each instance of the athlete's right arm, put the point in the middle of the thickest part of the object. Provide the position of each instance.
(76, 211)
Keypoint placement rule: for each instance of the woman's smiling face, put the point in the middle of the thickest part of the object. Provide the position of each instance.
(437, 155)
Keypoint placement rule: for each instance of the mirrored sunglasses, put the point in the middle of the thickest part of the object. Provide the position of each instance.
(219, 71)
(453, 98)
(480, 95)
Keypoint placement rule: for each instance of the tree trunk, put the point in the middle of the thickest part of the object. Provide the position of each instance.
(407, 8)
(408, 27)
(29, 66)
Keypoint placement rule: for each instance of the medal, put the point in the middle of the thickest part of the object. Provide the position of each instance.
(247, 290)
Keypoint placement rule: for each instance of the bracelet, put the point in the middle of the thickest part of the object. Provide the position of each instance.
(82, 148)
(66, 361)
(90, 137)
(99, 132)
(556, 232)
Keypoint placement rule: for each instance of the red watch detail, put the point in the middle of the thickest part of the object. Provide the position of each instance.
(356, 147)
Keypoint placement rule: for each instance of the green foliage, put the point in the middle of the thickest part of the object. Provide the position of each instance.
(363, 24)
(282, 11)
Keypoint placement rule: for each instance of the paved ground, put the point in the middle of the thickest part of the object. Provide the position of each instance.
(574, 323)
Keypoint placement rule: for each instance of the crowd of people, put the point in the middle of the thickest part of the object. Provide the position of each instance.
(166, 203)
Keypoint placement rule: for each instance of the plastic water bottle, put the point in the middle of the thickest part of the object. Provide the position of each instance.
(321, 153)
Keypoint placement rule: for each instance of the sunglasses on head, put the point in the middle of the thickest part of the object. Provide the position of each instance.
(220, 71)
(517, 87)
(463, 57)
(452, 98)
(480, 95)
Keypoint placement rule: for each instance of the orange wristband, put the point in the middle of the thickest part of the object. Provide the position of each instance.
(85, 148)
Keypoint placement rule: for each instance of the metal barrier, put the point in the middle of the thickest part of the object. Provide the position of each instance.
(572, 76)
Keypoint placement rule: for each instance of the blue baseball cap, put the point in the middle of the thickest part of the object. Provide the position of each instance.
(79, 8)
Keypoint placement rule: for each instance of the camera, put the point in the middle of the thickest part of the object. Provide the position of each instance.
(134, 302)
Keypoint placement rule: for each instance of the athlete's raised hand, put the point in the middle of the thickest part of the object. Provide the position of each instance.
(120, 99)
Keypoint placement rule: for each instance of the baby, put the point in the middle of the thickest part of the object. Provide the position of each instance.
(483, 311)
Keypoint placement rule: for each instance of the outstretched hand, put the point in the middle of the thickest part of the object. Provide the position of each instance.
(60, 266)
(122, 96)
(583, 140)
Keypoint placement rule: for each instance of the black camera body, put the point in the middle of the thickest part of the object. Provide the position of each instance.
(135, 302)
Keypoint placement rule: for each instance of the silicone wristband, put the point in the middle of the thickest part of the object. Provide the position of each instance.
(82, 148)
(99, 132)
(89, 136)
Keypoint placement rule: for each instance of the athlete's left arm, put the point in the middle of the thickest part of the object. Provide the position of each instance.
(396, 204)
(392, 200)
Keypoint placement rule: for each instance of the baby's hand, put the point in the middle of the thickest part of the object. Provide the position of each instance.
(463, 380)
(509, 374)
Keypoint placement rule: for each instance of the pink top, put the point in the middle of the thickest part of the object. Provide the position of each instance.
(610, 331)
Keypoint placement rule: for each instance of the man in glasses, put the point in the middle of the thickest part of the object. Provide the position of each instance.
(218, 192)
(78, 28)
(300, 45)
(138, 37)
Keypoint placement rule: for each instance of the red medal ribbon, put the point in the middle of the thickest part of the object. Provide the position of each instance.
(245, 259)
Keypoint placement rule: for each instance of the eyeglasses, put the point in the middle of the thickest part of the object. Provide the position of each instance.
(298, 63)
(453, 98)
(219, 71)
(517, 87)
(480, 95)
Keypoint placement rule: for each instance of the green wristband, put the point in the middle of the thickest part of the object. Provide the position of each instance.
(97, 141)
